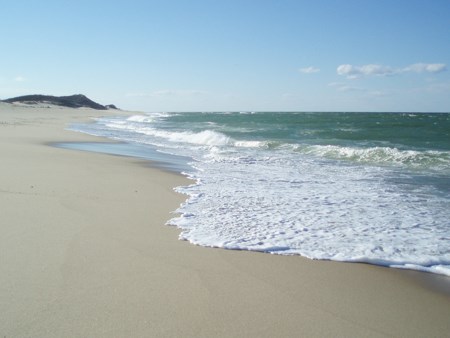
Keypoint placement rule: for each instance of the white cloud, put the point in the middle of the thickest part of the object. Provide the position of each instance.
(426, 68)
(349, 89)
(19, 79)
(309, 70)
(354, 72)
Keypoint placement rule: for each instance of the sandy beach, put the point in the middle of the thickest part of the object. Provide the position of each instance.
(85, 253)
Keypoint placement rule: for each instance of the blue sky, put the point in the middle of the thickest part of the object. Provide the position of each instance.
(233, 55)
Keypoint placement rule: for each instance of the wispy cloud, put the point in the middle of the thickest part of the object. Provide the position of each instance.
(19, 79)
(309, 70)
(363, 92)
(426, 68)
(354, 72)
(344, 87)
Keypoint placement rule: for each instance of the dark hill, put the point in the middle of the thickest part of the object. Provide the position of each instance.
(73, 101)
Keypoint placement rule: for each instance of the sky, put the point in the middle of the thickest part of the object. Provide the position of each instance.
(231, 55)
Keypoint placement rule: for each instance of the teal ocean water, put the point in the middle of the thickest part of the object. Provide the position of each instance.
(359, 187)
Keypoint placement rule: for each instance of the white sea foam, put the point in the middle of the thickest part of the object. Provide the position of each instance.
(206, 137)
(140, 118)
(325, 211)
(323, 202)
(149, 117)
(249, 144)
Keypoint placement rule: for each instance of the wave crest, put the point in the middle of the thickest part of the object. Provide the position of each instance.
(140, 119)
(382, 155)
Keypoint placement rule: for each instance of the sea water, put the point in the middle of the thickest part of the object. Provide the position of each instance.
(356, 187)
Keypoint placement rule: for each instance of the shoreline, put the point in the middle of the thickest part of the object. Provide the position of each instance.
(171, 163)
(91, 256)
(435, 282)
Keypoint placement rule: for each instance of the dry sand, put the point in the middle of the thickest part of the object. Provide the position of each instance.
(85, 253)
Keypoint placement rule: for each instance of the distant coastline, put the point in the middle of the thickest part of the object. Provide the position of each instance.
(72, 101)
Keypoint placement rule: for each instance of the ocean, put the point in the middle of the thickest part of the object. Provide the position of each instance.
(354, 187)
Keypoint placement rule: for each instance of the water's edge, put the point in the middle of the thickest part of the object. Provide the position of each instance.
(172, 163)
(178, 165)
